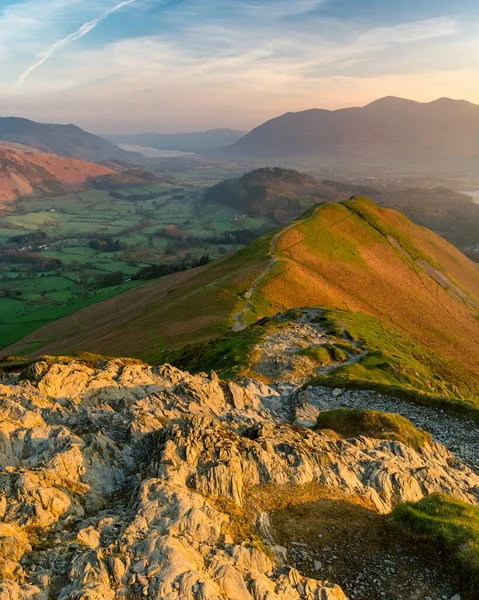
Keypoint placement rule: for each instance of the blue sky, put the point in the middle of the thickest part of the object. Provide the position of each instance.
(180, 65)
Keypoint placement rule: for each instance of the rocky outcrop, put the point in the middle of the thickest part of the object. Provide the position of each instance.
(116, 481)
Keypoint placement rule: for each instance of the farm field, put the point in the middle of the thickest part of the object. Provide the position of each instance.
(59, 255)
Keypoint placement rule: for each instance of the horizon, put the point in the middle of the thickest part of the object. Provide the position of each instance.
(174, 66)
(152, 131)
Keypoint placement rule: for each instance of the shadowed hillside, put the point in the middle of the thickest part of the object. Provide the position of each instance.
(282, 194)
(387, 129)
(64, 140)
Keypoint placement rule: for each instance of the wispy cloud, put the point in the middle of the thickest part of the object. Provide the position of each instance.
(203, 59)
(73, 37)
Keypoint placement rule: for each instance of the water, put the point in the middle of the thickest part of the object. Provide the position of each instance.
(154, 152)
(474, 196)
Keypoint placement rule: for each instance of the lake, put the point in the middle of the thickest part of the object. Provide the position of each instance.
(153, 152)
(474, 195)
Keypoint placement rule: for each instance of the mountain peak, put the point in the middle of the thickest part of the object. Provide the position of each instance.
(392, 130)
(389, 101)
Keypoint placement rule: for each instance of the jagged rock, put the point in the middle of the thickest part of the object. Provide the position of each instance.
(122, 474)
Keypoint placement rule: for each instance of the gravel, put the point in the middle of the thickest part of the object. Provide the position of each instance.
(459, 435)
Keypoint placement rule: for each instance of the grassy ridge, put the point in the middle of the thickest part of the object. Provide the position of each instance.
(396, 359)
(359, 260)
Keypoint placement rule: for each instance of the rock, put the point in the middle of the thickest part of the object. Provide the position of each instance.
(337, 392)
(89, 537)
(131, 480)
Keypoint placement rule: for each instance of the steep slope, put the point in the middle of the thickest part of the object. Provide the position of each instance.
(359, 257)
(388, 129)
(352, 256)
(27, 173)
(204, 141)
(64, 140)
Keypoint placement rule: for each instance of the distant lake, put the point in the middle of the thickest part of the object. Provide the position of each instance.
(474, 195)
(153, 152)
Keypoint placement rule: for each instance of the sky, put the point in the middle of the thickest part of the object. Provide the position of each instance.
(131, 66)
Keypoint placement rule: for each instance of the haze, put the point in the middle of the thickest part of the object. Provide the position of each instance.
(181, 65)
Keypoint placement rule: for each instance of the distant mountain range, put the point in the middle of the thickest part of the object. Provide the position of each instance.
(31, 173)
(387, 129)
(198, 142)
(64, 140)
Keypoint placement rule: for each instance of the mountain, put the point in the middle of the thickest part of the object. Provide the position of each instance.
(64, 140)
(385, 130)
(403, 283)
(24, 172)
(282, 194)
(286, 464)
(197, 142)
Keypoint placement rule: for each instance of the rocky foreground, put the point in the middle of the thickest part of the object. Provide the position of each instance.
(127, 481)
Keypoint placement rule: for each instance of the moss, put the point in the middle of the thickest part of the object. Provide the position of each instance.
(241, 525)
(374, 424)
(450, 525)
(338, 353)
(318, 354)
(40, 538)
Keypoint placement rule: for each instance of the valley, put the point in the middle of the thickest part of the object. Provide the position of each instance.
(239, 300)
(59, 255)
(221, 383)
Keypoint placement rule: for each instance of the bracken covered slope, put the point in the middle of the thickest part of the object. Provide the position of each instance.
(27, 173)
(352, 256)
(358, 257)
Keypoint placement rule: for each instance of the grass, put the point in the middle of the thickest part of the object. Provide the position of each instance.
(326, 353)
(318, 354)
(351, 423)
(450, 526)
(229, 356)
(397, 364)
(241, 526)
(96, 212)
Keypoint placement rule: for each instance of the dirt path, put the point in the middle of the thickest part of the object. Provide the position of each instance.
(239, 323)
(365, 553)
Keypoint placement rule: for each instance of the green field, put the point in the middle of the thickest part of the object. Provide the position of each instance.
(32, 295)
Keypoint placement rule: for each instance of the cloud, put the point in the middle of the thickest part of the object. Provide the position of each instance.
(78, 34)
(218, 62)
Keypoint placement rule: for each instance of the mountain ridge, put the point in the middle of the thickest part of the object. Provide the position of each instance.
(352, 256)
(387, 129)
(65, 140)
